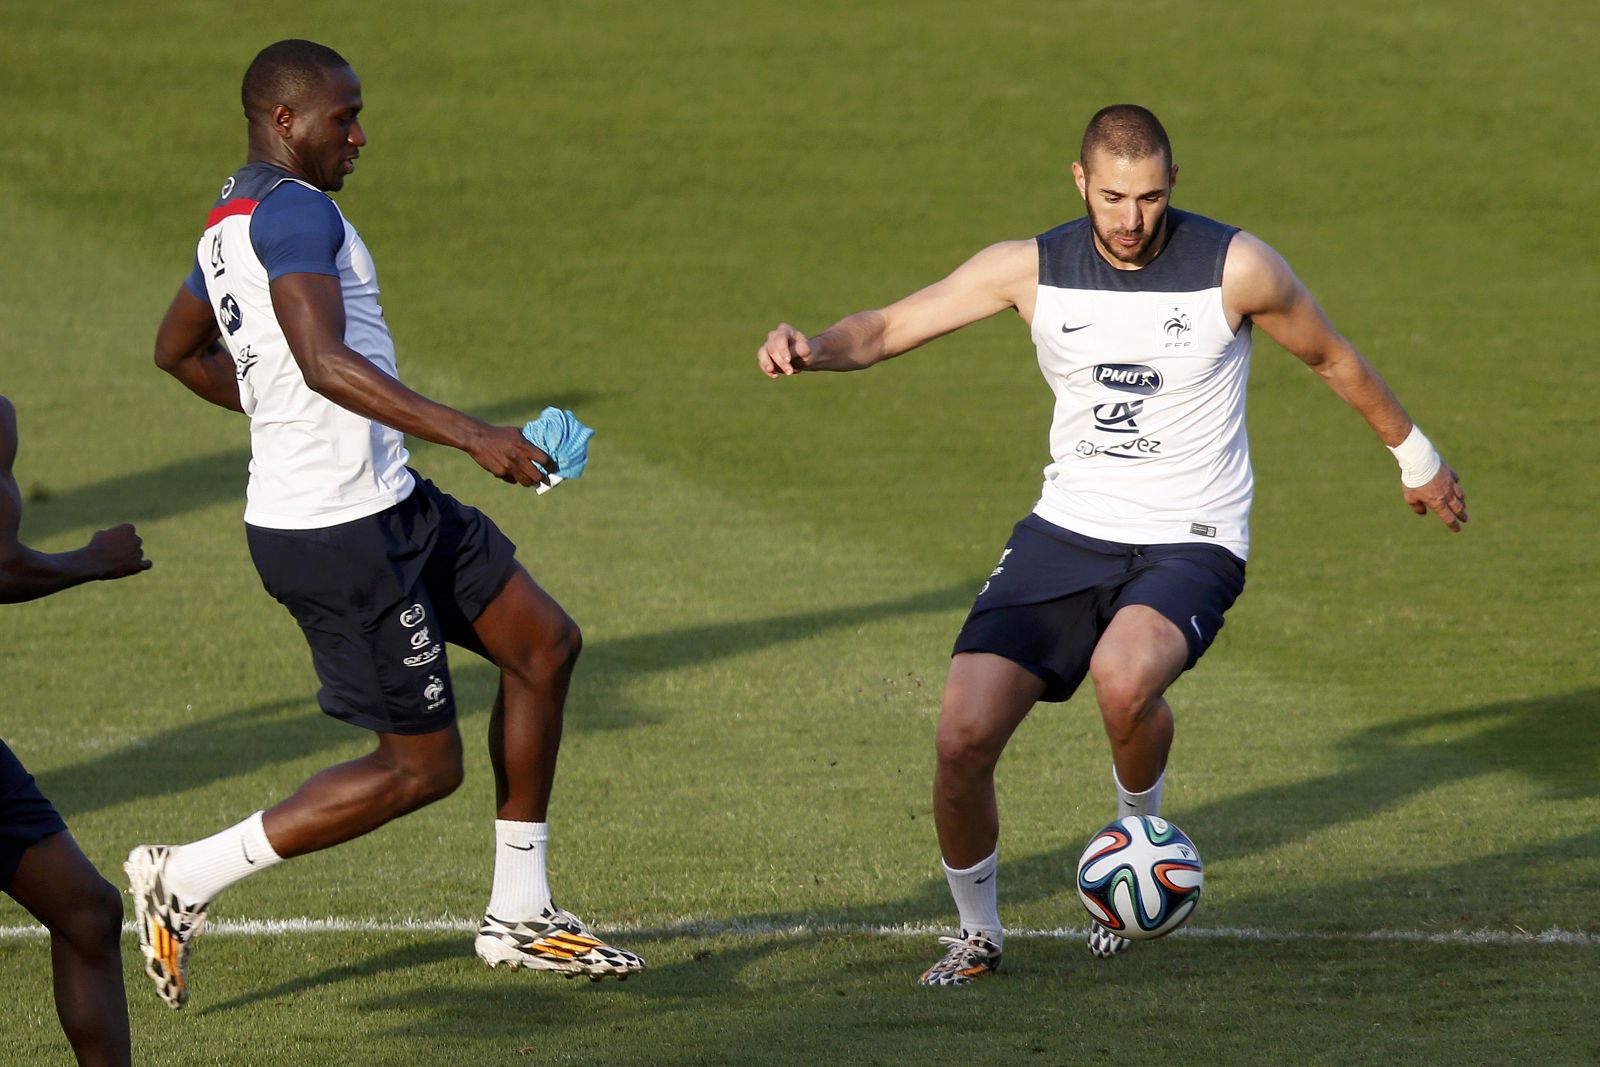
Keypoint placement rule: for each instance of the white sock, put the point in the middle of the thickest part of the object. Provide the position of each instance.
(976, 899)
(198, 871)
(1146, 803)
(521, 885)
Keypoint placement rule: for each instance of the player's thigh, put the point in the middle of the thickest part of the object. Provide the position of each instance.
(524, 624)
(1139, 655)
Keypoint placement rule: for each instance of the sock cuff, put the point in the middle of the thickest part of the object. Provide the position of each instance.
(257, 845)
(521, 833)
(1124, 790)
(977, 868)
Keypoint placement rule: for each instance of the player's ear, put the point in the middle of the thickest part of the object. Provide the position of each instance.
(1081, 178)
(281, 119)
(1172, 178)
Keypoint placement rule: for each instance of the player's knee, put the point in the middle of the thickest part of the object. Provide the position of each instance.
(1122, 691)
(94, 926)
(964, 750)
(438, 781)
(567, 643)
(1124, 708)
(421, 783)
(553, 655)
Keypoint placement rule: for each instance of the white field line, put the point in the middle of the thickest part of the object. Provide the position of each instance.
(708, 928)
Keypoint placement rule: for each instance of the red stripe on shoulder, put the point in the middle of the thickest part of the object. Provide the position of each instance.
(228, 210)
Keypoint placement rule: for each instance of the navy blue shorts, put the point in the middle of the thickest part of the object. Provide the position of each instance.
(378, 597)
(26, 817)
(1054, 592)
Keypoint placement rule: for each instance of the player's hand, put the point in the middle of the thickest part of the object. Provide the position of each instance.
(786, 352)
(506, 454)
(1443, 496)
(117, 552)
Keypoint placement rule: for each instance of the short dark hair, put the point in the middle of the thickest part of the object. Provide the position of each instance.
(285, 73)
(1127, 131)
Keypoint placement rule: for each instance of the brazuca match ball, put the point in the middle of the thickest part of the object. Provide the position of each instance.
(1140, 877)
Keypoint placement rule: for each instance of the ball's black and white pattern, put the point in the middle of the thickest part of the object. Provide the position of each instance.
(1140, 877)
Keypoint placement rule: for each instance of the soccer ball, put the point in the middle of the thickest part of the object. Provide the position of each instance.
(1140, 877)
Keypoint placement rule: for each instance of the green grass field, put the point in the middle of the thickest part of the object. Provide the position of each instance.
(1390, 761)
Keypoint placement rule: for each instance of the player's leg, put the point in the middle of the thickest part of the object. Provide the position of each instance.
(986, 697)
(356, 591)
(58, 885)
(535, 644)
(1163, 621)
(173, 886)
(1139, 656)
(405, 772)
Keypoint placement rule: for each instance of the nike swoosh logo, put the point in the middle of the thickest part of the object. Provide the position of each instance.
(1074, 329)
(520, 848)
(984, 879)
(1194, 620)
(245, 852)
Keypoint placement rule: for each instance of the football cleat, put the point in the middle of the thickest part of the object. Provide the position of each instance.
(1103, 944)
(555, 941)
(166, 925)
(967, 959)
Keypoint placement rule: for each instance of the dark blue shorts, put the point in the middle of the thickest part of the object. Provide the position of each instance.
(26, 817)
(378, 597)
(1054, 592)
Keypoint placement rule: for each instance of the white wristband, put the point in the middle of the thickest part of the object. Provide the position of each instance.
(1419, 460)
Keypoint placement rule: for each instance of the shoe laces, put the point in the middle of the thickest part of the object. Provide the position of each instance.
(559, 916)
(965, 951)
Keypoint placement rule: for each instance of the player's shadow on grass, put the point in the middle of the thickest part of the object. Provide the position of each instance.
(197, 482)
(420, 953)
(238, 742)
(1553, 742)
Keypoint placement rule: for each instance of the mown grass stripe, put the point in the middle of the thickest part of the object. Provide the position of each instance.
(696, 927)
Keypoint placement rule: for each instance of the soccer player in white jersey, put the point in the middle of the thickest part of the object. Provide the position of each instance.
(1142, 316)
(280, 319)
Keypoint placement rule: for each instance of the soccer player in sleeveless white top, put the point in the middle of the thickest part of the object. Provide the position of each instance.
(280, 319)
(1142, 316)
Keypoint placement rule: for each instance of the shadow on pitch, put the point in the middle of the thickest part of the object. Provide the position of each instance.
(1554, 742)
(410, 956)
(240, 741)
(196, 482)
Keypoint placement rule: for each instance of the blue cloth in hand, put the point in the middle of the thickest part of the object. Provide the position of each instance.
(563, 438)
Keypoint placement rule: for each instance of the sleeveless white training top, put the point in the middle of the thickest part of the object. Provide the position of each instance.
(1148, 440)
(313, 463)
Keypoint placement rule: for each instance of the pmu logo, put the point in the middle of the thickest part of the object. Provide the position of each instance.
(1129, 378)
(1118, 417)
(229, 315)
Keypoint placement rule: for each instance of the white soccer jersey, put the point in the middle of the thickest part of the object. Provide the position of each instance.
(1148, 439)
(313, 463)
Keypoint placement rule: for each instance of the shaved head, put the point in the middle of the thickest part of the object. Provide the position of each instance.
(288, 73)
(1126, 131)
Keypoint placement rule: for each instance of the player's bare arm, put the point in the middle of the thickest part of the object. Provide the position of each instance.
(189, 348)
(1001, 276)
(1258, 285)
(310, 308)
(26, 574)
